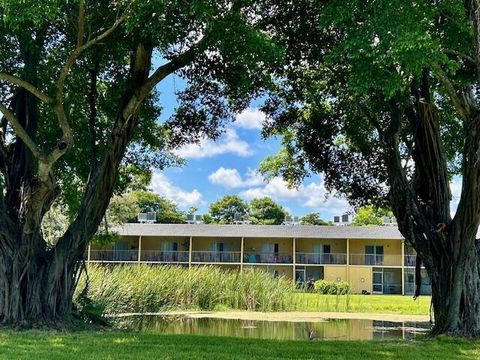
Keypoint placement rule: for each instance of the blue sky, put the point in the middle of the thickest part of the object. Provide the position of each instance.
(228, 166)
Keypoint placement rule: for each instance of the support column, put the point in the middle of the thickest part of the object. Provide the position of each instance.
(403, 267)
(294, 260)
(89, 252)
(190, 252)
(348, 260)
(242, 241)
(139, 256)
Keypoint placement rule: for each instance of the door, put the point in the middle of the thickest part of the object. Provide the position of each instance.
(377, 285)
(317, 253)
(121, 250)
(300, 276)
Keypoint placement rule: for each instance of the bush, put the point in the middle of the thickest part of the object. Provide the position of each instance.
(150, 288)
(332, 288)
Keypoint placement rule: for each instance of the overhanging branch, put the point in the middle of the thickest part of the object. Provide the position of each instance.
(27, 86)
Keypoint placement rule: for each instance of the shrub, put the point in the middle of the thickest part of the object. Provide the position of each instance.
(332, 288)
(150, 288)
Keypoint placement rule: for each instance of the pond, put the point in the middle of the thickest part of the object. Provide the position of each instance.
(338, 329)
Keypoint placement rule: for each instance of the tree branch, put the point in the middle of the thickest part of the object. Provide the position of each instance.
(80, 48)
(27, 86)
(21, 133)
(458, 102)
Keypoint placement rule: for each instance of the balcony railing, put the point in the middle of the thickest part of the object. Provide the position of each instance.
(410, 260)
(316, 258)
(164, 256)
(376, 260)
(267, 258)
(114, 255)
(216, 256)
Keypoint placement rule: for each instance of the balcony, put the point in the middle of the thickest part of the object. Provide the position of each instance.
(376, 260)
(410, 260)
(114, 255)
(216, 256)
(321, 259)
(267, 258)
(164, 256)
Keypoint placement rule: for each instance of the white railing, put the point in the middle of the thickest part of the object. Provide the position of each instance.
(164, 256)
(216, 256)
(316, 258)
(410, 260)
(267, 258)
(375, 260)
(114, 255)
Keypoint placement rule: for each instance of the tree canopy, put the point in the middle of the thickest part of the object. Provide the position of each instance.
(223, 210)
(313, 219)
(370, 215)
(265, 211)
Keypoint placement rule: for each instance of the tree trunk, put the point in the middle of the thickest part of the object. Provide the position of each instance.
(456, 294)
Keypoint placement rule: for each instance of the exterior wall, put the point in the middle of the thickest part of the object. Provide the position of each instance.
(254, 245)
(334, 273)
(392, 251)
(360, 278)
(279, 270)
(155, 242)
(205, 243)
(338, 246)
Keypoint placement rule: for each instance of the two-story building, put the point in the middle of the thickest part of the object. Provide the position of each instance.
(371, 258)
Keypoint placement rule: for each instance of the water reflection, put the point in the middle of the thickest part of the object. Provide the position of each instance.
(345, 329)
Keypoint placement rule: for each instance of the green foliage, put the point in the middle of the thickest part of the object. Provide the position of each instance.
(313, 219)
(370, 215)
(126, 289)
(265, 211)
(332, 287)
(103, 238)
(223, 210)
(124, 209)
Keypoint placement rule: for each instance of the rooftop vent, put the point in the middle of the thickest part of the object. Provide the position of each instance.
(149, 217)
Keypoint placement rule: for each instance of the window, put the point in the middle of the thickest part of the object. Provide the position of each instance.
(374, 255)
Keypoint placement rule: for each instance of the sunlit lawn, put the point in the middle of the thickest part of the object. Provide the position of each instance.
(120, 345)
(386, 304)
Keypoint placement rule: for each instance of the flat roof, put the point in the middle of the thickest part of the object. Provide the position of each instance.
(261, 231)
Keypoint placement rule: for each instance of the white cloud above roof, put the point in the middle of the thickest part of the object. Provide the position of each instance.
(161, 185)
(229, 143)
(312, 195)
(231, 178)
(250, 118)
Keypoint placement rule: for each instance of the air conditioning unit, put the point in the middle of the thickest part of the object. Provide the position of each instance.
(151, 217)
(190, 218)
(198, 218)
(237, 218)
(296, 220)
(142, 217)
(336, 220)
(345, 219)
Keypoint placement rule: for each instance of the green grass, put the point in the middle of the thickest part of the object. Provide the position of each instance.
(119, 345)
(385, 304)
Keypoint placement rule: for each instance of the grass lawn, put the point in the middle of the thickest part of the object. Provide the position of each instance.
(385, 304)
(131, 345)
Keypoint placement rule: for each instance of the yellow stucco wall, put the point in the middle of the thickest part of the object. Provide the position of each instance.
(360, 278)
(392, 251)
(285, 270)
(338, 246)
(155, 242)
(204, 243)
(254, 245)
(333, 273)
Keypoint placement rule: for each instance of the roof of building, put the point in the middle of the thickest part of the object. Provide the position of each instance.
(261, 231)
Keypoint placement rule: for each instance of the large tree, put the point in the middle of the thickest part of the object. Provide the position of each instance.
(382, 97)
(78, 101)
(265, 211)
(223, 210)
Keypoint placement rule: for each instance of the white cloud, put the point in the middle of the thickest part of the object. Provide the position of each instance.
(250, 118)
(230, 178)
(228, 143)
(161, 185)
(312, 195)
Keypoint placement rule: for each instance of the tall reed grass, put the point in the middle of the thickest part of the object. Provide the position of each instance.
(148, 288)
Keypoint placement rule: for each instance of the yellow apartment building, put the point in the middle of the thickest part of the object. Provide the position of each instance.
(374, 259)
